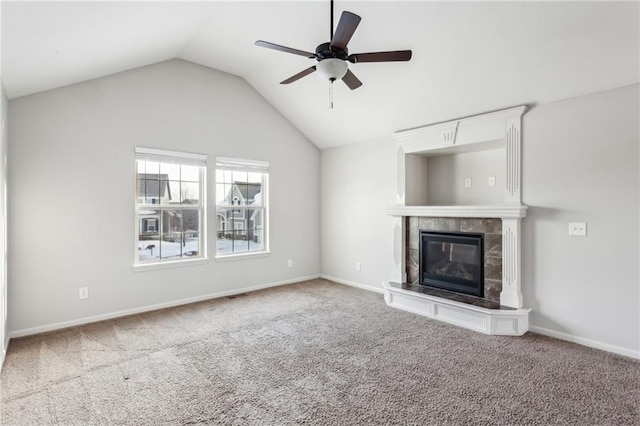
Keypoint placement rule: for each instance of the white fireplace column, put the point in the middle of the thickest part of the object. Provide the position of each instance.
(511, 294)
(399, 261)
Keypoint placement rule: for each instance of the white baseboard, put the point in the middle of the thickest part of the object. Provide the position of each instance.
(585, 342)
(133, 311)
(3, 352)
(352, 284)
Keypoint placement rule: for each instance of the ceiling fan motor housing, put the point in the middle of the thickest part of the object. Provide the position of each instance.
(325, 51)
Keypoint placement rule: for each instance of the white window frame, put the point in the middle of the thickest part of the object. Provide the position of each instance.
(255, 166)
(172, 157)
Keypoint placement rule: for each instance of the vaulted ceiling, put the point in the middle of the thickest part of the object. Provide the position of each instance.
(468, 58)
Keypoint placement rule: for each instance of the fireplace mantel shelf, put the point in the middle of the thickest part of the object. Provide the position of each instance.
(515, 211)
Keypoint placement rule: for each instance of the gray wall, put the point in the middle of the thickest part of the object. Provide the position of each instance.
(358, 181)
(580, 161)
(71, 186)
(580, 164)
(4, 324)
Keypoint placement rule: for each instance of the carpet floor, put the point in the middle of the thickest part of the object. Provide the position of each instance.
(314, 353)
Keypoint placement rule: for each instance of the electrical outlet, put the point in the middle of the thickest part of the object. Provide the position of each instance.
(290, 263)
(467, 182)
(83, 293)
(578, 229)
(491, 181)
(358, 266)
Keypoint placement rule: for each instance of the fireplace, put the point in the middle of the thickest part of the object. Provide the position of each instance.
(447, 152)
(452, 261)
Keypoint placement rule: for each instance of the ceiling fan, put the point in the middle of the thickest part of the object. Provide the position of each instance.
(333, 57)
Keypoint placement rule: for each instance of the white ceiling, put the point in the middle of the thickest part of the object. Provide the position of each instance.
(468, 58)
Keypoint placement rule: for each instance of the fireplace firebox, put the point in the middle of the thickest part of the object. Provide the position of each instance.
(452, 261)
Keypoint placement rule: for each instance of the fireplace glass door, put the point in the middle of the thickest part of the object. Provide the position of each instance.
(452, 261)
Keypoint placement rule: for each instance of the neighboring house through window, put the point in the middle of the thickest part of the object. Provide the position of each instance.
(241, 206)
(170, 206)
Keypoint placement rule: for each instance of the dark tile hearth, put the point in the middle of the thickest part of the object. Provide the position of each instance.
(450, 295)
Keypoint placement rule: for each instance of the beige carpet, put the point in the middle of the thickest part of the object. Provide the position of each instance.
(314, 353)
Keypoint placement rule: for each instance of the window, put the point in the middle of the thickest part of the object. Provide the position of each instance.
(170, 206)
(241, 206)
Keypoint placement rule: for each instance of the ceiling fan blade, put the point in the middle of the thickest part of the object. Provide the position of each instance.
(346, 27)
(299, 75)
(351, 80)
(285, 49)
(397, 55)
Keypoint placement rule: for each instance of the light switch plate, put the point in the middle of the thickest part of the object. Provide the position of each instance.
(491, 181)
(578, 229)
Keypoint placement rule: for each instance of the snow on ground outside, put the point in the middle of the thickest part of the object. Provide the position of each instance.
(170, 249)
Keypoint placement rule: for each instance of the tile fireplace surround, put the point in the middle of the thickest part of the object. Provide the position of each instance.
(499, 133)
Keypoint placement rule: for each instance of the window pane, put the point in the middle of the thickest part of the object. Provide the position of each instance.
(220, 193)
(226, 194)
(191, 244)
(152, 167)
(141, 166)
(148, 235)
(240, 232)
(240, 229)
(148, 190)
(224, 243)
(170, 171)
(255, 194)
(241, 192)
(191, 221)
(255, 231)
(190, 174)
(172, 190)
(148, 249)
(239, 177)
(171, 241)
(240, 243)
(167, 232)
(190, 193)
(170, 246)
(254, 178)
(172, 222)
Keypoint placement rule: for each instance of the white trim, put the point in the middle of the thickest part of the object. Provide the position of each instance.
(242, 256)
(410, 134)
(352, 284)
(229, 163)
(585, 342)
(516, 211)
(3, 352)
(173, 154)
(148, 308)
(169, 264)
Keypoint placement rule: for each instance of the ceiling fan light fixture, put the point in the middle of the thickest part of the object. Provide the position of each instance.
(332, 69)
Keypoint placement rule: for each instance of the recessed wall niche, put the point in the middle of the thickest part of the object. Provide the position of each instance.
(446, 175)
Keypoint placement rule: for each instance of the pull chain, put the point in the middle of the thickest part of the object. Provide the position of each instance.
(331, 93)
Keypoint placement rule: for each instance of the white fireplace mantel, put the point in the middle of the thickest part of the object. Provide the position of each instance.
(495, 130)
(502, 212)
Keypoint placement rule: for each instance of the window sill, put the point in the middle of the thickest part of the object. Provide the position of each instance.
(242, 256)
(170, 265)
